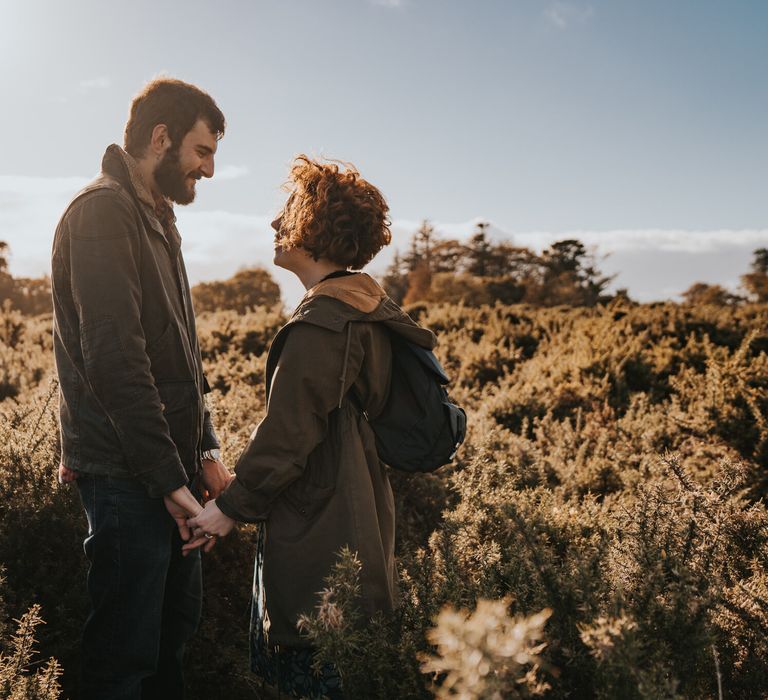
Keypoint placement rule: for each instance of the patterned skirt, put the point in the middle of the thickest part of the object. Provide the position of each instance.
(289, 669)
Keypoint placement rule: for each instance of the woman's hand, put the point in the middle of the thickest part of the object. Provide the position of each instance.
(207, 525)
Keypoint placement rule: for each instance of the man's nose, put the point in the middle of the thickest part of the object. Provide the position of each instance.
(207, 167)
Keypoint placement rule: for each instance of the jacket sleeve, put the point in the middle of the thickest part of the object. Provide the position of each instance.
(305, 389)
(210, 440)
(104, 275)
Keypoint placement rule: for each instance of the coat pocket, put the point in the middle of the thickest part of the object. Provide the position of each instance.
(168, 355)
(181, 410)
(306, 499)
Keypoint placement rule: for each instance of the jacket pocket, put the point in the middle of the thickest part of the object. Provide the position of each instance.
(181, 410)
(158, 344)
(104, 359)
(168, 355)
(306, 499)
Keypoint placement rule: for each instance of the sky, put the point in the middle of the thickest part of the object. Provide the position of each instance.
(640, 127)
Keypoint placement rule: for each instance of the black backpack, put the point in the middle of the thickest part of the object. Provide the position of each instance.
(419, 429)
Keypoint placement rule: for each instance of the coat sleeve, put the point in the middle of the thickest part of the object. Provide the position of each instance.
(210, 440)
(104, 276)
(305, 390)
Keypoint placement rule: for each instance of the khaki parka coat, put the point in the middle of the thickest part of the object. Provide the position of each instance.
(310, 470)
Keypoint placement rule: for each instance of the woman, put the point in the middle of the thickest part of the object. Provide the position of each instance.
(310, 471)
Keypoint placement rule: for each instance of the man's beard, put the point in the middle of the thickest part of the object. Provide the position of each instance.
(171, 179)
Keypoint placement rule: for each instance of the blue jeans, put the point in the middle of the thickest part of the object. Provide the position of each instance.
(145, 597)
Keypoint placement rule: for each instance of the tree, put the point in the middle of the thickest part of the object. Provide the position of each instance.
(4, 250)
(702, 293)
(6, 281)
(756, 282)
(395, 280)
(247, 289)
(452, 288)
(408, 277)
(479, 252)
(570, 276)
(448, 256)
(30, 295)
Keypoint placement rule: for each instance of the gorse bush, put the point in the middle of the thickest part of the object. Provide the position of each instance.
(613, 475)
(19, 680)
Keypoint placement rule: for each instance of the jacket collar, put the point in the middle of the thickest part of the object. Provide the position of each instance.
(360, 291)
(334, 302)
(123, 167)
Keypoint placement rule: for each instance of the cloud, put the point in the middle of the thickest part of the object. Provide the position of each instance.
(387, 3)
(101, 83)
(30, 207)
(661, 240)
(563, 14)
(30, 186)
(231, 172)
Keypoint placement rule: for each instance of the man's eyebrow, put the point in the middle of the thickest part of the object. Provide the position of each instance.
(205, 149)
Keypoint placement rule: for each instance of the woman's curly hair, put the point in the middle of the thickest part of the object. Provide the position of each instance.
(333, 213)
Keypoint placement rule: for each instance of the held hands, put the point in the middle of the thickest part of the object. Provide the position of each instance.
(181, 504)
(206, 526)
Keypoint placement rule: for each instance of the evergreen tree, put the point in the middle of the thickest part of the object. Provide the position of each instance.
(395, 280)
(756, 282)
(479, 252)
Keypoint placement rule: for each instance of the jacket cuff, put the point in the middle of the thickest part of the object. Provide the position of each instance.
(209, 441)
(240, 504)
(163, 479)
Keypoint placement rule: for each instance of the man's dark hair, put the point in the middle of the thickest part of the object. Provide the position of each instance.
(174, 103)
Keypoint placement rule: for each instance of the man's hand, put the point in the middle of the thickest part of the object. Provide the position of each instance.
(208, 525)
(216, 478)
(66, 475)
(181, 504)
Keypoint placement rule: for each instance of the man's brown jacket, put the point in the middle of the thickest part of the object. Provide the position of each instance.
(127, 356)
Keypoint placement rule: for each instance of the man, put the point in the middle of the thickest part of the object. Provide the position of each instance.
(135, 430)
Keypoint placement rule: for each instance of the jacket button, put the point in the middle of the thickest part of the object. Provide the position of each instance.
(162, 406)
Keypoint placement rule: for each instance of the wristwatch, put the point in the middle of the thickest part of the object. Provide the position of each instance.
(211, 455)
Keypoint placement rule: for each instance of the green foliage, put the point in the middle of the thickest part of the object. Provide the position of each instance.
(613, 474)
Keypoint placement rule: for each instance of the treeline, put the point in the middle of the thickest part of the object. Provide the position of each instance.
(436, 269)
(481, 271)
(754, 283)
(30, 295)
(246, 290)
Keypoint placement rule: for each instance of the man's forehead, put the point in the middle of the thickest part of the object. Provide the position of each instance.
(201, 135)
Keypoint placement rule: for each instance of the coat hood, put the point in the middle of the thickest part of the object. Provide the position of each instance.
(334, 302)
